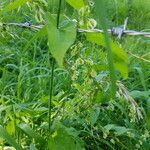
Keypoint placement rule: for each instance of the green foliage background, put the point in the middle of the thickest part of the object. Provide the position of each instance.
(84, 114)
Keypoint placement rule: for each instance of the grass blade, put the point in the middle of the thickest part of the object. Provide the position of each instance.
(101, 14)
(13, 5)
(8, 138)
(31, 133)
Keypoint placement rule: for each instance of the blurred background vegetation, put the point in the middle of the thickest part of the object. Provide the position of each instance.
(84, 116)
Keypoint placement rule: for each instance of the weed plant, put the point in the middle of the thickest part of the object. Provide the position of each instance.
(83, 113)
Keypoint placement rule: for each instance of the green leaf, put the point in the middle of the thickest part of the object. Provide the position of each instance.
(102, 15)
(119, 130)
(76, 4)
(11, 127)
(32, 147)
(31, 133)
(94, 114)
(61, 39)
(122, 67)
(99, 39)
(142, 77)
(39, 34)
(8, 138)
(140, 94)
(120, 57)
(13, 5)
(62, 140)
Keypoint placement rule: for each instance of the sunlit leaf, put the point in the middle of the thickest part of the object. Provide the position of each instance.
(122, 67)
(98, 38)
(76, 4)
(60, 39)
(10, 127)
(120, 57)
(4, 134)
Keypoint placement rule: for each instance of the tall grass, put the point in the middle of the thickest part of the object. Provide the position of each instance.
(81, 113)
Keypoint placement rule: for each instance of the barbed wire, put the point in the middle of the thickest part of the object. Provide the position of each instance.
(117, 31)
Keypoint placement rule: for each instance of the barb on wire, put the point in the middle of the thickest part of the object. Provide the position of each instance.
(25, 25)
(118, 31)
(125, 23)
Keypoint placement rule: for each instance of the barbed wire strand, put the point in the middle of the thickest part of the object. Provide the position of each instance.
(116, 31)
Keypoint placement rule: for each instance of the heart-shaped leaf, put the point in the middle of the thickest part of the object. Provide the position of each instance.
(60, 39)
(120, 57)
(76, 4)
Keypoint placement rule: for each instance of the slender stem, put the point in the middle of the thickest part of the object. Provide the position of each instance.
(101, 12)
(110, 65)
(58, 13)
(14, 115)
(52, 72)
(51, 92)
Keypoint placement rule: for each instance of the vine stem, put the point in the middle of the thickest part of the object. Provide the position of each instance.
(101, 12)
(51, 92)
(52, 73)
(58, 13)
